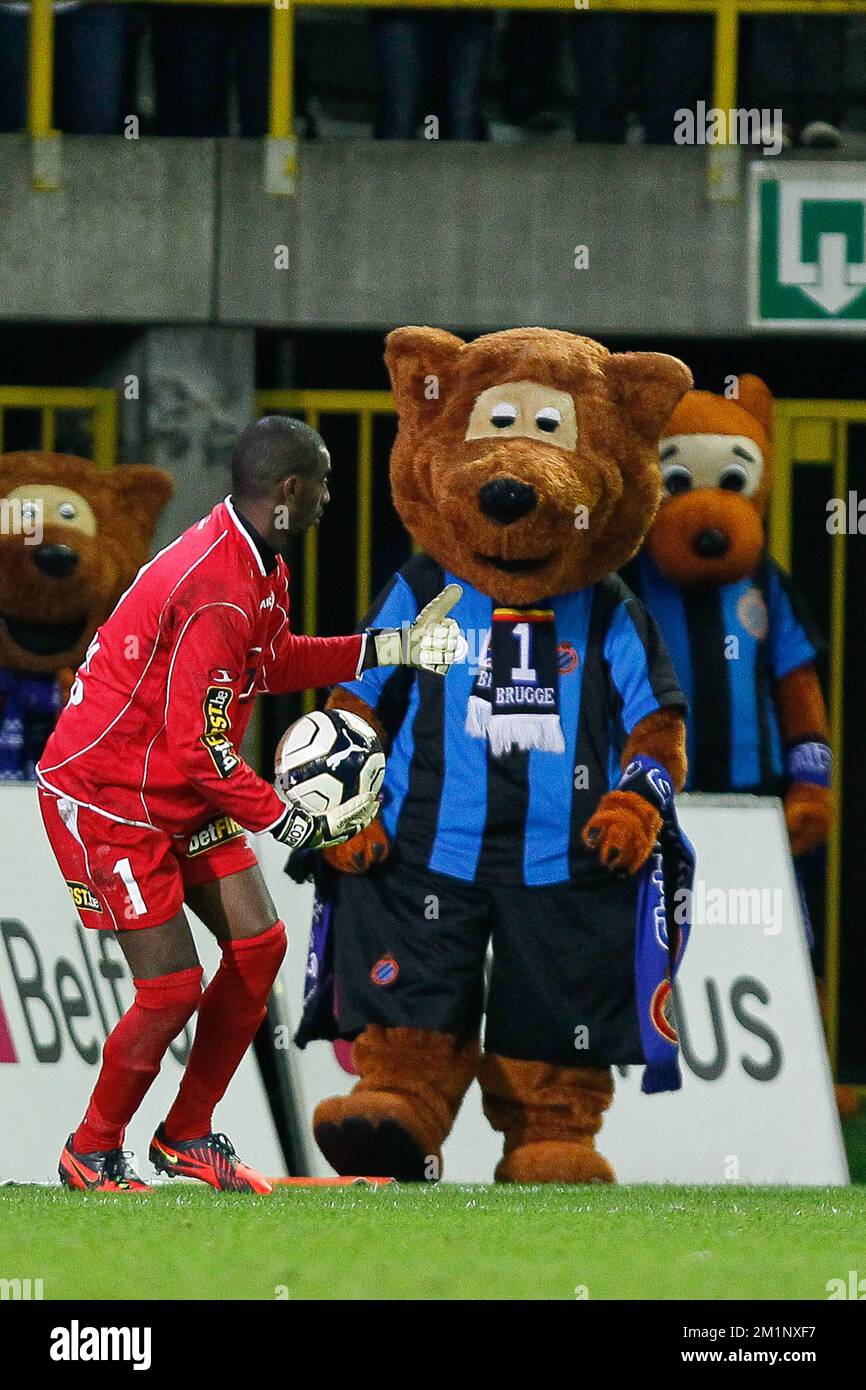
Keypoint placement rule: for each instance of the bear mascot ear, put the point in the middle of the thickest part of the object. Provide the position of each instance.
(755, 397)
(141, 493)
(647, 386)
(419, 362)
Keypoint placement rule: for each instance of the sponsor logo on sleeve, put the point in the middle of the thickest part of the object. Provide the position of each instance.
(217, 727)
(84, 897)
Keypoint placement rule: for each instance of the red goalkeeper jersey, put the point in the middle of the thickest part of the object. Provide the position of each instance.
(156, 714)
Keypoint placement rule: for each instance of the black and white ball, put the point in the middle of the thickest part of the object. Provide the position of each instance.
(327, 757)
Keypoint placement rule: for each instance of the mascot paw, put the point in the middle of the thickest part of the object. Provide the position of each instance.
(372, 1134)
(807, 813)
(554, 1161)
(359, 854)
(623, 831)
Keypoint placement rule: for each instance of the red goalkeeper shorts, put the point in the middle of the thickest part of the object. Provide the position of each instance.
(123, 877)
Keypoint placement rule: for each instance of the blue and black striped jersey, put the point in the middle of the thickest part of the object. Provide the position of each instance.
(449, 804)
(729, 645)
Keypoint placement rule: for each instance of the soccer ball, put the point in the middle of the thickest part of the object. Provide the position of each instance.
(327, 757)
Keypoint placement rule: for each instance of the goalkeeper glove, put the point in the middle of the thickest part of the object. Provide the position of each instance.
(431, 642)
(320, 830)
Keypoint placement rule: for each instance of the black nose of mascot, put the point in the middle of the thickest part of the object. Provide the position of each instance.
(712, 544)
(505, 500)
(57, 561)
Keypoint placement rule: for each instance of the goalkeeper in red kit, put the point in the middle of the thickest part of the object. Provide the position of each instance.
(147, 801)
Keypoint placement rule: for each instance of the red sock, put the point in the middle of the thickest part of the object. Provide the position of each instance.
(232, 1007)
(133, 1053)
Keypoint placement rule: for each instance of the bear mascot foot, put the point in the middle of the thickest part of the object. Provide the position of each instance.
(549, 1116)
(394, 1122)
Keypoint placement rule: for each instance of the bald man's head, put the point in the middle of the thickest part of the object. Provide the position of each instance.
(271, 449)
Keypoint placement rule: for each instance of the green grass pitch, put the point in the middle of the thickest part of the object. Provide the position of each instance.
(437, 1242)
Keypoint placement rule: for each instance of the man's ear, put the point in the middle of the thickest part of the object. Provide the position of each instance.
(419, 362)
(755, 397)
(141, 493)
(647, 385)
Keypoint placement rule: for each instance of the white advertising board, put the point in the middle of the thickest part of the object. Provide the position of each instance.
(61, 989)
(757, 1102)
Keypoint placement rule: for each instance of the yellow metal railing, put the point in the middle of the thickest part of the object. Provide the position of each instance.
(722, 182)
(365, 406)
(816, 433)
(99, 404)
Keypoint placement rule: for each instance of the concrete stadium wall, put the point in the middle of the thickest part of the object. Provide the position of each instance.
(181, 231)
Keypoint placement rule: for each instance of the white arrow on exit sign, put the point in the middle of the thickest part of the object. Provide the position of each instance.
(838, 281)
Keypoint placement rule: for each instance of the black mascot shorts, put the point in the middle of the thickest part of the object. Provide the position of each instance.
(411, 951)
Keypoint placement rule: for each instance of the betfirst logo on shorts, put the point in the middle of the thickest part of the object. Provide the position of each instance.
(216, 832)
(217, 727)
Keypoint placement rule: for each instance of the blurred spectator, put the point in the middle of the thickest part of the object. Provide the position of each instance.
(430, 64)
(201, 57)
(796, 64)
(93, 56)
(532, 53)
(655, 64)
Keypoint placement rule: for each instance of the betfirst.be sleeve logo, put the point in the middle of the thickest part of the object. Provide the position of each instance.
(69, 1000)
(217, 727)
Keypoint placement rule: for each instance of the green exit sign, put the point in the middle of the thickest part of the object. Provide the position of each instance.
(807, 243)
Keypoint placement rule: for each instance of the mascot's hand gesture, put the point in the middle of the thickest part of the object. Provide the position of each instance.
(431, 643)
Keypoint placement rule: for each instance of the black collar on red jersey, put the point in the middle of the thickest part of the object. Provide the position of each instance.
(266, 552)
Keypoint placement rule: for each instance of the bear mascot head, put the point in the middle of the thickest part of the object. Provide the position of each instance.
(73, 538)
(525, 469)
(525, 461)
(716, 464)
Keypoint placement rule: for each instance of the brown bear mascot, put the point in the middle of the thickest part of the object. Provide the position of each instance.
(72, 539)
(743, 647)
(526, 471)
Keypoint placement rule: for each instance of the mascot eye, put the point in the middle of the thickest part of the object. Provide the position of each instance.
(734, 478)
(548, 419)
(67, 511)
(676, 479)
(503, 414)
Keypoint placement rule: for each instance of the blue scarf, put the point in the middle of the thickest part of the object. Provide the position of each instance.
(29, 706)
(664, 903)
(318, 1016)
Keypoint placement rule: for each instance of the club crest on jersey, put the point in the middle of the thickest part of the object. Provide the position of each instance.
(83, 897)
(216, 832)
(566, 658)
(217, 726)
(385, 971)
